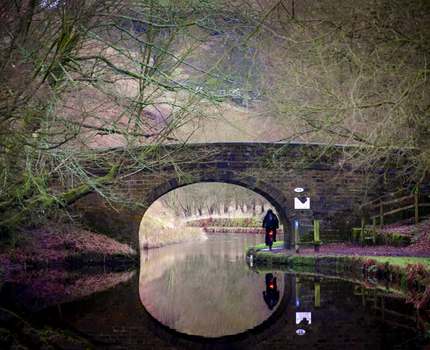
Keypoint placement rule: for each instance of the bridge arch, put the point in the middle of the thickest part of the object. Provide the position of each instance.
(273, 195)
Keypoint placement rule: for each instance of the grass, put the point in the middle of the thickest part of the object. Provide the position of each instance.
(350, 265)
(278, 244)
(401, 261)
(159, 228)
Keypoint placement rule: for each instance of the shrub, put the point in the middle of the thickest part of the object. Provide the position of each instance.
(418, 283)
(393, 238)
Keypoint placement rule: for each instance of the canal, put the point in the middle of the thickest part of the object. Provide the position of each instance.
(204, 295)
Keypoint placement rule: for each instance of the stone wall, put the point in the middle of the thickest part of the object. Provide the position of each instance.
(273, 170)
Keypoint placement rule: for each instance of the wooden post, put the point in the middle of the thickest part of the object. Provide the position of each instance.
(416, 198)
(60, 312)
(374, 229)
(363, 297)
(363, 223)
(383, 307)
(375, 299)
(317, 294)
(317, 236)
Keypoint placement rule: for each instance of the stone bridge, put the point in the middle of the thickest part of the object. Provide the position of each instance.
(272, 170)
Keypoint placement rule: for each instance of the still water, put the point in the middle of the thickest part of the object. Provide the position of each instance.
(203, 295)
(206, 288)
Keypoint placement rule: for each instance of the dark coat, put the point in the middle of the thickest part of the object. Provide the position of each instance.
(270, 221)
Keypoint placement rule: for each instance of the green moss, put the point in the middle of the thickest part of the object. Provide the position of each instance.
(340, 260)
(391, 267)
(22, 209)
(79, 191)
(302, 260)
(401, 261)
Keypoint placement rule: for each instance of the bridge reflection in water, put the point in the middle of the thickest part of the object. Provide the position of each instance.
(116, 319)
(202, 295)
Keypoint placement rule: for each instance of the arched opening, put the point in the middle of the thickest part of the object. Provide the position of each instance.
(181, 214)
(273, 196)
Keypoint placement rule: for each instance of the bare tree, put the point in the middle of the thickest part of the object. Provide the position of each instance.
(342, 73)
(80, 76)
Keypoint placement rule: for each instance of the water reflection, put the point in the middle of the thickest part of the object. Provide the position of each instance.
(36, 290)
(211, 285)
(181, 285)
(271, 294)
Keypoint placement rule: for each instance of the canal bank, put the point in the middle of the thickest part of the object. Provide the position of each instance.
(410, 275)
(64, 246)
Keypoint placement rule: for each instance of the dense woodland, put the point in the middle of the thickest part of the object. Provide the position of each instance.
(80, 77)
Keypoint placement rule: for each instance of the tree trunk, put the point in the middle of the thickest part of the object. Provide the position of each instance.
(46, 201)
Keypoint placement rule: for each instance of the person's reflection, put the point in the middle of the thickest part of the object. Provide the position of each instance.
(271, 294)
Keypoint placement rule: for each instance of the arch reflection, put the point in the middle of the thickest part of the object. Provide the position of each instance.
(206, 289)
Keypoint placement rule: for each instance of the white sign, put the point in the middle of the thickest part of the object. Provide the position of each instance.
(304, 316)
(299, 189)
(300, 331)
(302, 203)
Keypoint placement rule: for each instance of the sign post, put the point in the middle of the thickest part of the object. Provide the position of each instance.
(296, 236)
(301, 202)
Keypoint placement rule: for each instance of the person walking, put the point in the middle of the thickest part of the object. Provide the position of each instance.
(270, 224)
